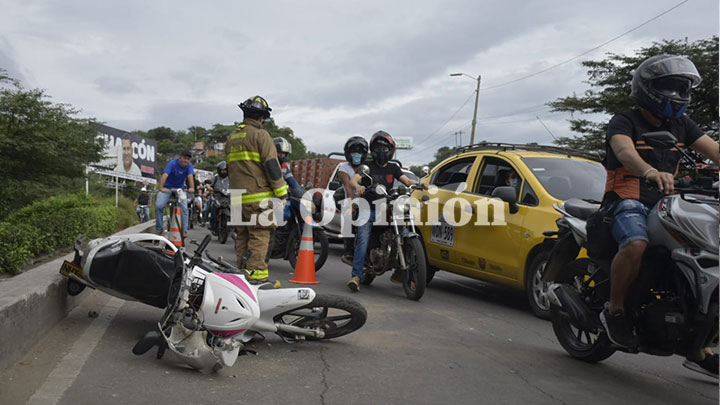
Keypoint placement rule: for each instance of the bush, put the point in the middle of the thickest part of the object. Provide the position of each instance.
(51, 224)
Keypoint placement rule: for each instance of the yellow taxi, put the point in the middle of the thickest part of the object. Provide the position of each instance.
(487, 207)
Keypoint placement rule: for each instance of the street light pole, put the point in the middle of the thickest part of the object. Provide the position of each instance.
(477, 94)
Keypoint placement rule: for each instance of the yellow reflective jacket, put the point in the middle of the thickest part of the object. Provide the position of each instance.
(247, 150)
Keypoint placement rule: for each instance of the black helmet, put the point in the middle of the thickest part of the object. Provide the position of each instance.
(379, 140)
(255, 107)
(222, 169)
(283, 146)
(662, 84)
(356, 144)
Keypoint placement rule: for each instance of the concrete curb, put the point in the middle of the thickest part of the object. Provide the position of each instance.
(34, 302)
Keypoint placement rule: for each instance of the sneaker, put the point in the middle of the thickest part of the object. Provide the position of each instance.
(398, 276)
(708, 366)
(354, 284)
(618, 328)
(347, 259)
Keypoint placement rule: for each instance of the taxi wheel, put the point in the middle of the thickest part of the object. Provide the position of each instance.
(535, 289)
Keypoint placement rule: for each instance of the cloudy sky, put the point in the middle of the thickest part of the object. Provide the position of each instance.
(331, 69)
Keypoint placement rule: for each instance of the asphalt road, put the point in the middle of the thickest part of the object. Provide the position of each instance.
(465, 342)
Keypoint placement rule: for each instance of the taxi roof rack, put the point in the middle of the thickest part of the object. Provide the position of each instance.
(531, 147)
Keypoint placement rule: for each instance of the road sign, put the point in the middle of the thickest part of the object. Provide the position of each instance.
(403, 142)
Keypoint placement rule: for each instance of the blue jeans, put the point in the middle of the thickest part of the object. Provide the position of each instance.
(629, 222)
(143, 212)
(362, 237)
(160, 203)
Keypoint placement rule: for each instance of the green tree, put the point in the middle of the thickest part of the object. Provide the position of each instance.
(162, 134)
(43, 147)
(609, 92)
(219, 133)
(442, 154)
(299, 150)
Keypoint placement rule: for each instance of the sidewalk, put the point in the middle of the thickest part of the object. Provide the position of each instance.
(31, 303)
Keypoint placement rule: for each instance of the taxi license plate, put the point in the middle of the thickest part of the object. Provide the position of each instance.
(69, 268)
(443, 234)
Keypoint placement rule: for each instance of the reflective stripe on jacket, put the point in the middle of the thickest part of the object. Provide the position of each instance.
(247, 150)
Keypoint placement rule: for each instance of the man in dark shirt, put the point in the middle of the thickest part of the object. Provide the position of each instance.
(382, 148)
(142, 205)
(638, 175)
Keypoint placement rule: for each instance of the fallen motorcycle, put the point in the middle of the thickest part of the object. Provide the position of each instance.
(211, 310)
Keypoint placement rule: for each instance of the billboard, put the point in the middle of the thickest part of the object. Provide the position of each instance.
(403, 142)
(126, 155)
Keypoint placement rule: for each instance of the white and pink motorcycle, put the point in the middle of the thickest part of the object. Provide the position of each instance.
(212, 311)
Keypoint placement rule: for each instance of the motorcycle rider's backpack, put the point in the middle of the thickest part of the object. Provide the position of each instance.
(600, 242)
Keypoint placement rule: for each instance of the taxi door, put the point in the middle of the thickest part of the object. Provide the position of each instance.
(441, 243)
(496, 251)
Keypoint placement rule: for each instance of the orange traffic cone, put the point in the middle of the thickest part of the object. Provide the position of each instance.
(175, 236)
(305, 266)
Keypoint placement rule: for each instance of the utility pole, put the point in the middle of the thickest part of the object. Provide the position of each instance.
(477, 94)
(474, 121)
(458, 134)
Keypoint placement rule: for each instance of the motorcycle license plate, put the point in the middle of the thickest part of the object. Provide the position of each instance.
(69, 268)
(443, 234)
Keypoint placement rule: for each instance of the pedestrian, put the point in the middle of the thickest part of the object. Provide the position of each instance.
(253, 167)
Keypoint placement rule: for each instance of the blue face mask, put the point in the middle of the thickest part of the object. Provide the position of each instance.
(356, 158)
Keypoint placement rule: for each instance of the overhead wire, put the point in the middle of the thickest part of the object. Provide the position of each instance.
(589, 50)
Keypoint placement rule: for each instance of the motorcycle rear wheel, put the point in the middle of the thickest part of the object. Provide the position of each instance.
(335, 314)
(416, 273)
(586, 345)
(320, 246)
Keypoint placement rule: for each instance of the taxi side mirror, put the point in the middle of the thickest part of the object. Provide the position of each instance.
(507, 194)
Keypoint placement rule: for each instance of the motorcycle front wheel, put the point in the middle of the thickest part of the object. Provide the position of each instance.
(223, 230)
(334, 314)
(590, 346)
(320, 247)
(416, 274)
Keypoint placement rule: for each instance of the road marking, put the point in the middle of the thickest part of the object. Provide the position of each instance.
(67, 370)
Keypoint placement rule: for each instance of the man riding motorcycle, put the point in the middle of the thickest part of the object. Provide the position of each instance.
(284, 149)
(382, 149)
(356, 150)
(638, 175)
(220, 182)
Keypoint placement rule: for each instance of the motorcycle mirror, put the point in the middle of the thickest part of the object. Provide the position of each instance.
(364, 170)
(659, 139)
(380, 190)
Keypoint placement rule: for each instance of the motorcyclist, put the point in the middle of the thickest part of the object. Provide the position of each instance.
(142, 203)
(253, 166)
(220, 181)
(382, 171)
(284, 149)
(356, 149)
(638, 175)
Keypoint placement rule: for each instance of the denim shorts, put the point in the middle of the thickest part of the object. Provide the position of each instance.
(629, 222)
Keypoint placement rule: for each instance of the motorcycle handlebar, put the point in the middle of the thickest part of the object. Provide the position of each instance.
(203, 245)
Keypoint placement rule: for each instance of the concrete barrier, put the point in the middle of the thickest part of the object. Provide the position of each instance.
(33, 302)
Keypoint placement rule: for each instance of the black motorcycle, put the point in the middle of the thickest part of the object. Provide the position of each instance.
(285, 240)
(222, 215)
(395, 245)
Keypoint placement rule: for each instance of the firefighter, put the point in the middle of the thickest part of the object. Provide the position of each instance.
(253, 166)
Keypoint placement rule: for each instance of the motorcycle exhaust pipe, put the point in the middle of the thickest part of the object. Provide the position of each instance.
(318, 333)
(571, 304)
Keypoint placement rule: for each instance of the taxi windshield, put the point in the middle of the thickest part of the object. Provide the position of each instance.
(569, 178)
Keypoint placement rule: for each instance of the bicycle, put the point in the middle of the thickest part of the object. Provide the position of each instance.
(176, 196)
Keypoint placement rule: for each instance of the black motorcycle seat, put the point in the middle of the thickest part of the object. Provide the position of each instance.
(579, 208)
